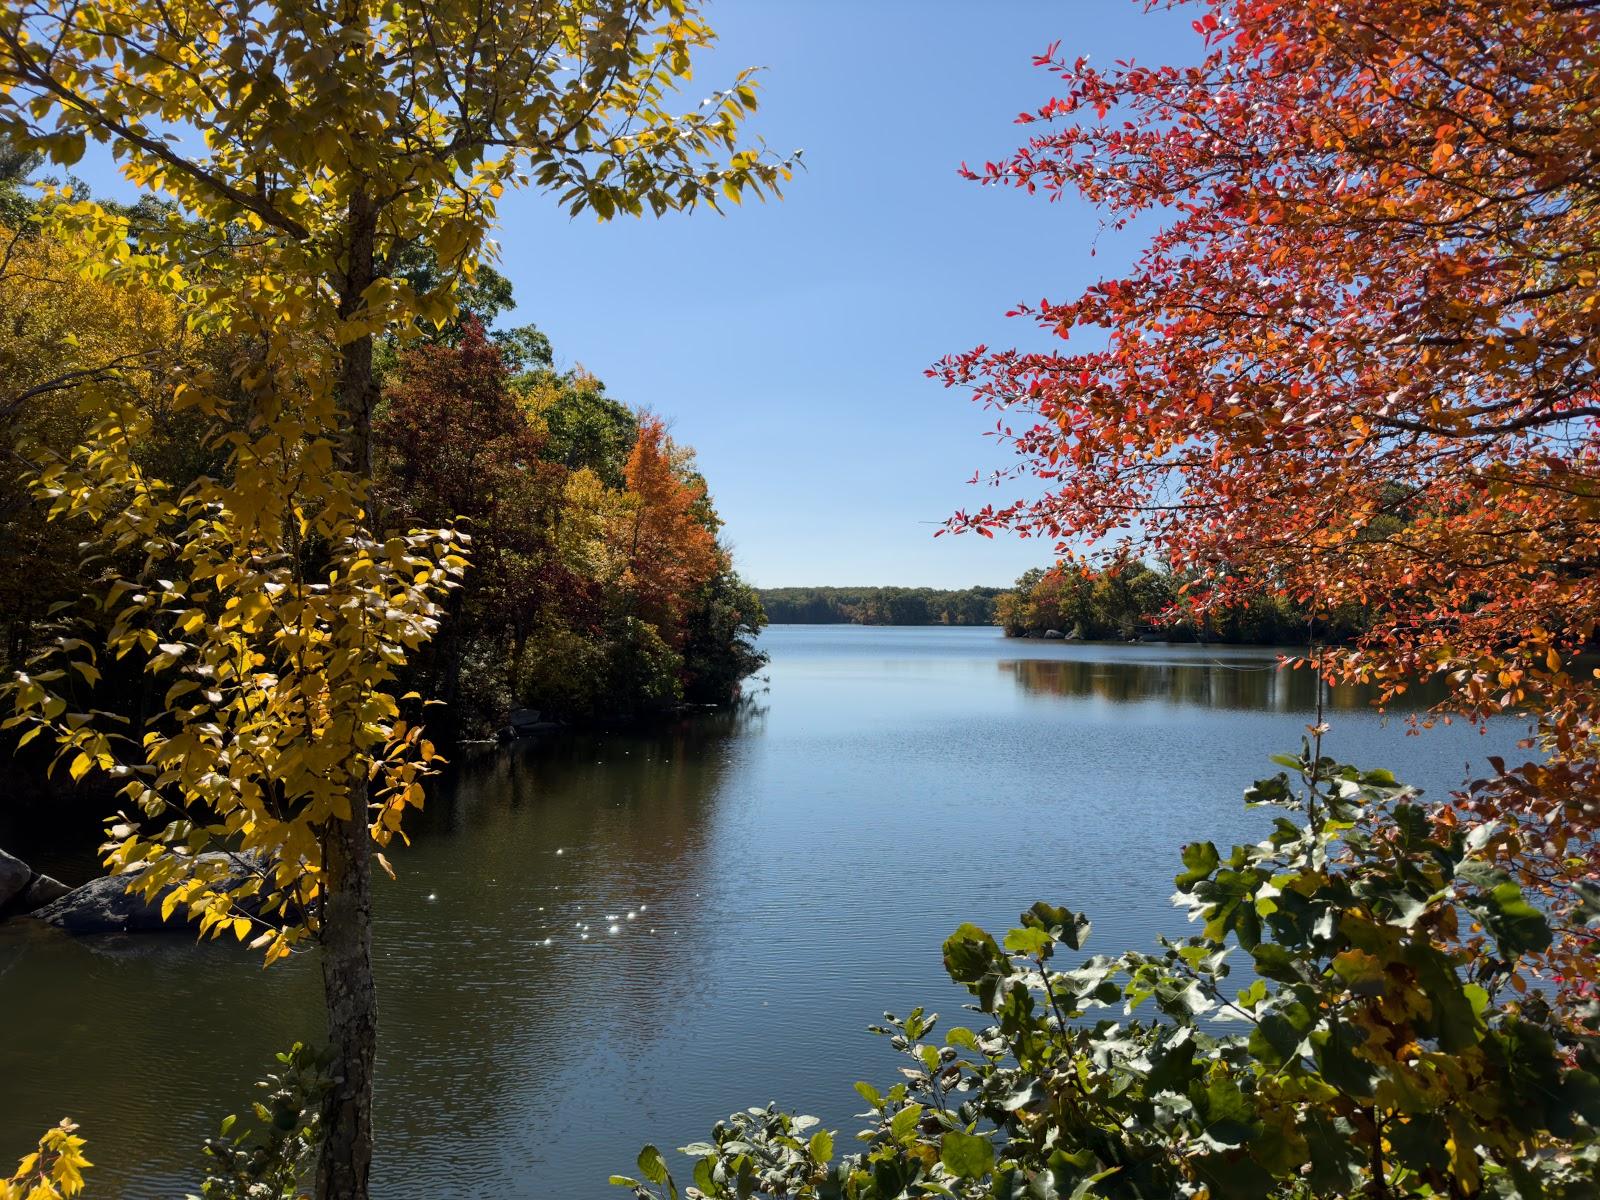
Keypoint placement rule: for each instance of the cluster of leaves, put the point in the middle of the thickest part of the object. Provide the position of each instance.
(1381, 1054)
(1131, 599)
(267, 1161)
(880, 605)
(255, 598)
(54, 1171)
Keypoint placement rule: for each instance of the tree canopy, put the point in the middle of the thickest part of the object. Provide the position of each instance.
(1357, 364)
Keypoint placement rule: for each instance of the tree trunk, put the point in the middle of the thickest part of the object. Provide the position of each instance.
(345, 1162)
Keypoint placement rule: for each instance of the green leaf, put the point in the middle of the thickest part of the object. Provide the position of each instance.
(652, 1166)
(963, 1037)
(820, 1147)
(1201, 858)
(1518, 926)
(966, 1155)
(1276, 963)
(1335, 1049)
(970, 954)
(1279, 1036)
(904, 1123)
(1030, 942)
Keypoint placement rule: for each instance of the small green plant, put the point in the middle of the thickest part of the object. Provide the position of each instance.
(1377, 1051)
(269, 1159)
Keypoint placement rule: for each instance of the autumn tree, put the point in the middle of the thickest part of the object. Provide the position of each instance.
(306, 148)
(61, 331)
(669, 535)
(1358, 361)
(454, 443)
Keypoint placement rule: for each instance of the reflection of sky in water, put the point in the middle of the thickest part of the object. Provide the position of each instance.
(799, 863)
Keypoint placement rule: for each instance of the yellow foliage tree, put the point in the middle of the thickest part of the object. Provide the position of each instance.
(307, 146)
(59, 330)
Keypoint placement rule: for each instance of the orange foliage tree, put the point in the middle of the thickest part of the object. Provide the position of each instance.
(1357, 361)
(669, 528)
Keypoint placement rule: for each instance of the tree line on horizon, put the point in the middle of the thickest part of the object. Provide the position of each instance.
(879, 605)
(1132, 601)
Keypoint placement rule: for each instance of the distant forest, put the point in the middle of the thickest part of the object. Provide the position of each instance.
(1129, 605)
(879, 605)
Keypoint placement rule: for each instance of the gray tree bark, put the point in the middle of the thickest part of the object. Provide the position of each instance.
(344, 1164)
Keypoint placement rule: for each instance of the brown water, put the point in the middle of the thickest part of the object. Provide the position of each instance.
(792, 869)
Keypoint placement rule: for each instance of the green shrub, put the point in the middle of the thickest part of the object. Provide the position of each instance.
(1376, 1051)
(268, 1160)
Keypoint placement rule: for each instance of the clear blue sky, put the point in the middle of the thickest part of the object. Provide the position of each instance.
(786, 342)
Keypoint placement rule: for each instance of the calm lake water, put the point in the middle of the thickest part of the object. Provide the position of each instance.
(793, 868)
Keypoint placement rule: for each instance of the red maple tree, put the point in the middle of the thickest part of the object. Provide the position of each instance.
(1360, 360)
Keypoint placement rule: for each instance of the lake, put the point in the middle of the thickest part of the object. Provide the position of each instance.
(776, 876)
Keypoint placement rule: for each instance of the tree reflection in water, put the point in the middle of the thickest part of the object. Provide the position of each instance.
(1256, 683)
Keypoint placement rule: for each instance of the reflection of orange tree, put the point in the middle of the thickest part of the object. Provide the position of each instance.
(1255, 684)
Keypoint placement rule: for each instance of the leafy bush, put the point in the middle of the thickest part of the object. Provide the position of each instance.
(1380, 1052)
(267, 1161)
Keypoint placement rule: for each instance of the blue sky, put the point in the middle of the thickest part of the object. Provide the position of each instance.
(786, 342)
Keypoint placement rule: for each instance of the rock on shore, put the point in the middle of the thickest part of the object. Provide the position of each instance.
(23, 890)
(105, 906)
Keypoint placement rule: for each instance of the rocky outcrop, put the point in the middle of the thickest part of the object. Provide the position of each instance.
(39, 892)
(105, 906)
(22, 889)
(14, 877)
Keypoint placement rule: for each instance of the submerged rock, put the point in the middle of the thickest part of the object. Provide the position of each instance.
(106, 906)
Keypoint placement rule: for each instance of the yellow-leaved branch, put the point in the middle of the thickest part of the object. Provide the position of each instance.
(304, 149)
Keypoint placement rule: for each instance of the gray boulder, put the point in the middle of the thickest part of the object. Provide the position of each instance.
(105, 906)
(33, 891)
(522, 719)
(15, 875)
(1054, 634)
(40, 892)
